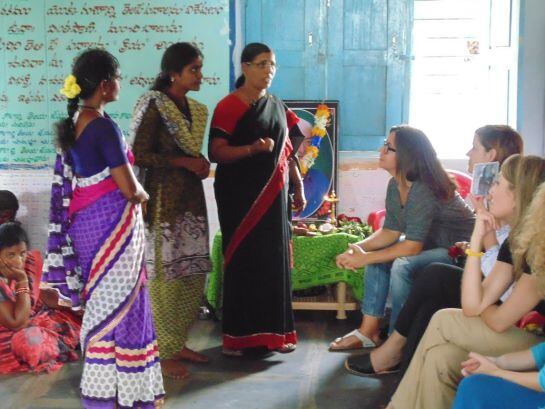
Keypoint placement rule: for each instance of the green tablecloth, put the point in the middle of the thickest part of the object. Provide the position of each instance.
(314, 265)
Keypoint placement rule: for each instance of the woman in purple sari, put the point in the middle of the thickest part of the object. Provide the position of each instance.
(96, 244)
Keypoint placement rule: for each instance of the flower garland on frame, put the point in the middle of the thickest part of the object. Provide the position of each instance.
(321, 120)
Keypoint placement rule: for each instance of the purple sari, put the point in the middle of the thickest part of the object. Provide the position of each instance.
(96, 261)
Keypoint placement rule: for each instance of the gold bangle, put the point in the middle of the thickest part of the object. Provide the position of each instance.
(22, 290)
(472, 253)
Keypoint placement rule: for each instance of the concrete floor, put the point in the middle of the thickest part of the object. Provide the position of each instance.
(309, 378)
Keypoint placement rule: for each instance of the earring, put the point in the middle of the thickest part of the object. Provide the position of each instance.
(171, 79)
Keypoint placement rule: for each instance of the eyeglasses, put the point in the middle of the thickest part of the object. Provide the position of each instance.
(386, 144)
(263, 64)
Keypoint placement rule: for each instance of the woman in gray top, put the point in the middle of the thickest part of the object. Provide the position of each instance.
(424, 216)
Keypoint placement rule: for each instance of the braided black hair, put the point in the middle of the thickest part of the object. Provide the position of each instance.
(90, 68)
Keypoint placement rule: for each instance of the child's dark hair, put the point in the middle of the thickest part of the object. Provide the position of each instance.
(11, 234)
(8, 201)
(251, 51)
(90, 68)
(174, 59)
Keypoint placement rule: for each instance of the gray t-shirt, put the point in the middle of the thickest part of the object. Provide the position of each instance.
(426, 219)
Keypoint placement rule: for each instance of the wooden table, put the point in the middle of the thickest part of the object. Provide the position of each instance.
(314, 265)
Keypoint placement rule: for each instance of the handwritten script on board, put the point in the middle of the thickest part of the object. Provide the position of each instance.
(40, 38)
(38, 42)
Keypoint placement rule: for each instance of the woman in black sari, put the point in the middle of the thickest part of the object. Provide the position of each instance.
(251, 140)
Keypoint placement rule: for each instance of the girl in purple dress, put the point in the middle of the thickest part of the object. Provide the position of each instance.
(96, 244)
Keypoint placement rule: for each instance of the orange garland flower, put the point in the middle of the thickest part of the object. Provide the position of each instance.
(321, 120)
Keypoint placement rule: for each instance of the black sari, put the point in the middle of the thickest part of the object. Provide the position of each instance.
(253, 208)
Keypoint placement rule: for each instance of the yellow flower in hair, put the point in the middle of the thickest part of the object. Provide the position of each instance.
(71, 88)
(71, 79)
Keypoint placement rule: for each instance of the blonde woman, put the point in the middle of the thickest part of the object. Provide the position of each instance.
(516, 379)
(482, 325)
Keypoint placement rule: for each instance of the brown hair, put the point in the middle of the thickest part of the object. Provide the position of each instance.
(524, 174)
(502, 138)
(416, 160)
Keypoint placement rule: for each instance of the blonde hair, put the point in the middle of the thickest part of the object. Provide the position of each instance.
(528, 247)
(524, 174)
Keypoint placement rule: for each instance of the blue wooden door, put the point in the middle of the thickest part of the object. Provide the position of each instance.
(355, 51)
(295, 29)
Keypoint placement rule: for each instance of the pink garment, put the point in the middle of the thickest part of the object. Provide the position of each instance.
(84, 196)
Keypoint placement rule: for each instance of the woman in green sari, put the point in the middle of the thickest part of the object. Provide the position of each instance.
(168, 130)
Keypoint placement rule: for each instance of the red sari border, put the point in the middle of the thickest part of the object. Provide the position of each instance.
(263, 202)
(270, 340)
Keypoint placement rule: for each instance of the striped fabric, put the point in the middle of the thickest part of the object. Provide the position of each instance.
(106, 238)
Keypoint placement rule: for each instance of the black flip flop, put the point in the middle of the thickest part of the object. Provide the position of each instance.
(361, 365)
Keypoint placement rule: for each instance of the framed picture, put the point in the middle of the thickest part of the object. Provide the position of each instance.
(320, 177)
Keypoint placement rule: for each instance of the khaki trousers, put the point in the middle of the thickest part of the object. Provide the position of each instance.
(434, 372)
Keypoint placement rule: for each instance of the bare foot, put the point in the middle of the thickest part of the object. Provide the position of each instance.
(382, 361)
(187, 354)
(173, 369)
(389, 353)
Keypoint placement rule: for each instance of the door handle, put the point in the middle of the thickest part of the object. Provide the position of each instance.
(394, 44)
(310, 39)
(396, 54)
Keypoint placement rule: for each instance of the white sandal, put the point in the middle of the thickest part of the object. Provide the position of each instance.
(365, 342)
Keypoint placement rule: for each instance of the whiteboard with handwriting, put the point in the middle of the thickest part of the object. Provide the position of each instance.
(38, 42)
(40, 38)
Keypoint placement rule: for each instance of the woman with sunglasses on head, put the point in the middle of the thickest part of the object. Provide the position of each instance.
(422, 204)
(251, 140)
(437, 286)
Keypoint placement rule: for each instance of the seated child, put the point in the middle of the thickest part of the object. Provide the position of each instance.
(33, 337)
